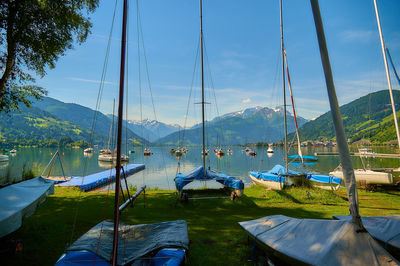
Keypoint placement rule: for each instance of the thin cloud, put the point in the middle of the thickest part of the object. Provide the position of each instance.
(91, 80)
(246, 100)
(358, 35)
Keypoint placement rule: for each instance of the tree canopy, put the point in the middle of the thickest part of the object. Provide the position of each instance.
(33, 35)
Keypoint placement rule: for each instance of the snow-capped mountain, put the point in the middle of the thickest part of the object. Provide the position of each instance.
(248, 125)
(151, 129)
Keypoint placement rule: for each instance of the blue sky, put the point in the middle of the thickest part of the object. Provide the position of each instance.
(242, 40)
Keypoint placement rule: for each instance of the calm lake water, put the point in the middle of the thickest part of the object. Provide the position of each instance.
(161, 167)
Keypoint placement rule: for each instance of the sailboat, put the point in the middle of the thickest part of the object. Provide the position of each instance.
(316, 241)
(202, 173)
(279, 177)
(162, 243)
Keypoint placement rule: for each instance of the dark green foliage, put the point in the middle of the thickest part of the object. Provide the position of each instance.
(33, 35)
(369, 117)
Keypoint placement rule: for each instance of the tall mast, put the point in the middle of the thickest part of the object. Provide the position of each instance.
(284, 88)
(347, 167)
(387, 73)
(202, 88)
(119, 135)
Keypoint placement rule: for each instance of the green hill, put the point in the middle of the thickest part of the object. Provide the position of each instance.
(369, 117)
(50, 122)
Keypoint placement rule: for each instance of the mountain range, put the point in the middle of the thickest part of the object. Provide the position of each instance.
(151, 130)
(258, 124)
(369, 117)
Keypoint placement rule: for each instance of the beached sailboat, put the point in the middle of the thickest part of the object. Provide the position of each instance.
(202, 173)
(279, 177)
(315, 241)
(162, 243)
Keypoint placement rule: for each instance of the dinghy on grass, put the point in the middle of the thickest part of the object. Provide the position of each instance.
(181, 180)
(278, 177)
(20, 200)
(315, 242)
(385, 229)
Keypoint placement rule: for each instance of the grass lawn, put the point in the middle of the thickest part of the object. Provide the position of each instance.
(214, 233)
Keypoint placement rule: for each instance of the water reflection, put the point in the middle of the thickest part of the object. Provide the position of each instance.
(162, 166)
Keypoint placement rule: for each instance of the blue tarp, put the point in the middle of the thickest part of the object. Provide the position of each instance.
(275, 174)
(181, 180)
(305, 157)
(101, 179)
(324, 179)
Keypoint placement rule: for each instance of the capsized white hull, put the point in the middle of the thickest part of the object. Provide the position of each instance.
(369, 176)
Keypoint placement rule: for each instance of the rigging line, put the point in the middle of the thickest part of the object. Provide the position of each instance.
(100, 92)
(139, 22)
(127, 87)
(213, 90)
(294, 110)
(191, 89)
(139, 73)
(394, 69)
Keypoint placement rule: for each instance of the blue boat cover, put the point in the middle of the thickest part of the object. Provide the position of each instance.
(135, 244)
(168, 257)
(82, 257)
(101, 179)
(275, 174)
(324, 179)
(181, 180)
(305, 157)
(164, 257)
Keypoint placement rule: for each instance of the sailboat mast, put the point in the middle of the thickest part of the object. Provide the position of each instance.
(348, 171)
(202, 88)
(387, 73)
(119, 135)
(284, 89)
(111, 127)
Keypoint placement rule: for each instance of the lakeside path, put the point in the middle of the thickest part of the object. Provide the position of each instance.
(212, 223)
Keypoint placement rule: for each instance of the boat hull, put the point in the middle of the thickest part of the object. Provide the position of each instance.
(268, 184)
(369, 176)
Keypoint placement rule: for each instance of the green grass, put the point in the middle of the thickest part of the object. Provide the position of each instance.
(215, 237)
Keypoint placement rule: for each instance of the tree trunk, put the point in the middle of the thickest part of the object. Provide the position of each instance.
(11, 47)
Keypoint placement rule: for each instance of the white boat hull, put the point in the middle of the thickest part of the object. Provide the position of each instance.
(269, 184)
(369, 176)
(3, 158)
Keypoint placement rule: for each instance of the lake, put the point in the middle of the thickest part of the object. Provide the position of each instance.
(161, 166)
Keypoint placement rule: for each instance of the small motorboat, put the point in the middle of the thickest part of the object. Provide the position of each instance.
(146, 152)
(88, 150)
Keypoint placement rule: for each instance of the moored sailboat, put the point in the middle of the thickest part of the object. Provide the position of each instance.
(202, 173)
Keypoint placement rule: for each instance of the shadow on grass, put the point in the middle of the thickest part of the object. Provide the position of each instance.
(212, 223)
